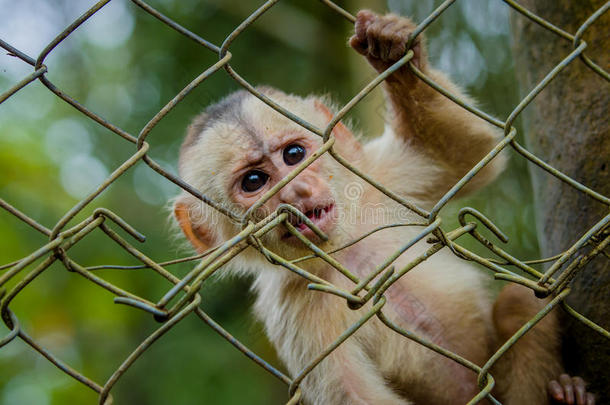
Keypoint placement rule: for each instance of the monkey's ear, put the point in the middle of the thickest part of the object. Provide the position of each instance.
(340, 130)
(200, 235)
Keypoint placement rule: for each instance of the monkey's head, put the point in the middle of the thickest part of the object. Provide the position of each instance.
(239, 148)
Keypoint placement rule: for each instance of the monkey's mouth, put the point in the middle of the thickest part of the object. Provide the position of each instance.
(322, 217)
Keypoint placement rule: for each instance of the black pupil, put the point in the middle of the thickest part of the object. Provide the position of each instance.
(293, 154)
(253, 180)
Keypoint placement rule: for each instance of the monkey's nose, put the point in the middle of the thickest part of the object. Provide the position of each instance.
(303, 189)
(292, 193)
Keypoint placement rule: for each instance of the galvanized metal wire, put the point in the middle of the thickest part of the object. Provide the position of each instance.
(184, 292)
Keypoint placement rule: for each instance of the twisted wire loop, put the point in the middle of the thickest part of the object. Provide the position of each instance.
(185, 290)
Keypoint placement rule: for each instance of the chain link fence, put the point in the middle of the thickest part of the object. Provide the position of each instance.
(182, 297)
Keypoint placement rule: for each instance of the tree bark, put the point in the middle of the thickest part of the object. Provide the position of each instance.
(567, 127)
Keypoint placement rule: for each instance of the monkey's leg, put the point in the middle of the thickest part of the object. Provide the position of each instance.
(523, 372)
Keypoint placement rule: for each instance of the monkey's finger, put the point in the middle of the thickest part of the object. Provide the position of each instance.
(359, 41)
(590, 399)
(364, 18)
(378, 32)
(397, 50)
(394, 44)
(579, 390)
(373, 46)
(359, 45)
(555, 391)
(568, 389)
(397, 46)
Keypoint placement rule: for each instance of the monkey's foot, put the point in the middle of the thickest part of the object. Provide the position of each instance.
(569, 391)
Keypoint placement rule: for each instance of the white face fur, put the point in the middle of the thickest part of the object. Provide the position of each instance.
(241, 155)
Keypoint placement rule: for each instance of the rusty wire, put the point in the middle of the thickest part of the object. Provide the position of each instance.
(186, 290)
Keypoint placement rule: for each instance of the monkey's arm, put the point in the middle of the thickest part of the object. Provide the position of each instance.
(348, 377)
(432, 127)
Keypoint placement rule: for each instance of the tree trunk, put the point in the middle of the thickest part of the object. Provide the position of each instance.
(567, 127)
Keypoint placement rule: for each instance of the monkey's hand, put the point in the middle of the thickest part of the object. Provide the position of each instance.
(383, 40)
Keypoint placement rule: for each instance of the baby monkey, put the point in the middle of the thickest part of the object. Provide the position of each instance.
(239, 148)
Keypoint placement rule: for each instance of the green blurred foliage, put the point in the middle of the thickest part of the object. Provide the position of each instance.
(125, 65)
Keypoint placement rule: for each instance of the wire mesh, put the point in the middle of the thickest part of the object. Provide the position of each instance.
(185, 291)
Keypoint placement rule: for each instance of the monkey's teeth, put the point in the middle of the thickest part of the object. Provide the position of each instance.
(315, 215)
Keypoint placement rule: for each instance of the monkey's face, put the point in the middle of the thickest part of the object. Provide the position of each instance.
(269, 148)
(244, 154)
(268, 163)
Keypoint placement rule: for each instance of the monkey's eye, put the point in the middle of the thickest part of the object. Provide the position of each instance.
(253, 180)
(293, 154)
